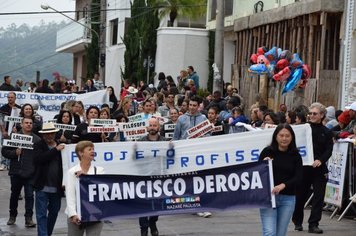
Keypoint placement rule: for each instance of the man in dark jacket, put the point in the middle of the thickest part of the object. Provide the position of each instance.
(21, 173)
(6, 86)
(315, 175)
(48, 179)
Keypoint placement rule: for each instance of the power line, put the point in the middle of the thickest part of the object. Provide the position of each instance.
(114, 9)
(24, 66)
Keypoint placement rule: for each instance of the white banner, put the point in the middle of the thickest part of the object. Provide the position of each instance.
(157, 158)
(337, 167)
(49, 104)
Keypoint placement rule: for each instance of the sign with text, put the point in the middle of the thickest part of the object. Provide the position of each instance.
(65, 127)
(224, 188)
(49, 104)
(159, 158)
(103, 122)
(337, 167)
(102, 129)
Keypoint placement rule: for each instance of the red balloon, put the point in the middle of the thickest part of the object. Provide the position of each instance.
(253, 58)
(282, 75)
(261, 50)
(306, 72)
(281, 64)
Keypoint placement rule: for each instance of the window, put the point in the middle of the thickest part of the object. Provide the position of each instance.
(114, 24)
(229, 7)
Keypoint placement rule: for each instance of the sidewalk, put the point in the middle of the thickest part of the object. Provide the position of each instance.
(240, 222)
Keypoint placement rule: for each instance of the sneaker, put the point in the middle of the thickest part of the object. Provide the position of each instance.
(11, 220)
(201, 214)
(29, 222)
(207, 214)
(2, 167)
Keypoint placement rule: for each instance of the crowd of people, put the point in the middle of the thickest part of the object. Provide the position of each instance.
(39, 169)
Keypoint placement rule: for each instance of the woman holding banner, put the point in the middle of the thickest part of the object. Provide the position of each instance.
(287, 173)
(85, 152)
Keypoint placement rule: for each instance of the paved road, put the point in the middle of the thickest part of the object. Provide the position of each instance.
(242, 222)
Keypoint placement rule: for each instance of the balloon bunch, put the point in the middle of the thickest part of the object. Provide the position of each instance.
(281, 65)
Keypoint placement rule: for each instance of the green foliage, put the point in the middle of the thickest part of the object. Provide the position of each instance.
(192, 9)
(211, 59)
(92, 50)
(25, 49)
(140, 40)
(203, 93)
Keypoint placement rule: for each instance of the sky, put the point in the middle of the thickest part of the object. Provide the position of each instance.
(11, 6)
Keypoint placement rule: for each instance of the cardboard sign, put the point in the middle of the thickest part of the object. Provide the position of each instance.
(169, 126)
(17, 144)
(161, 119)
(198, 127)
(101, 129)
(135, 118)
(23, 138)
(201, 132)
(139, 132)
(65, 127)
(218, 128)
(103, 122)
(14, 119)
(132, 125)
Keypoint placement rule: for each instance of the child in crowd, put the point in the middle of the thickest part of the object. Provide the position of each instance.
(237, 116)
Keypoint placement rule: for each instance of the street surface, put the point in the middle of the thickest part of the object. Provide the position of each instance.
(241, 222)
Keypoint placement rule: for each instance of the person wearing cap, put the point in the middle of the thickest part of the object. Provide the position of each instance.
(22, 172)
(48, 179)
(349, 127)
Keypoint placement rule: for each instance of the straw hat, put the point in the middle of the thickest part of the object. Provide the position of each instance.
(48, 128)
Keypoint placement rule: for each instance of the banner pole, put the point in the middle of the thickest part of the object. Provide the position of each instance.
(273, 198)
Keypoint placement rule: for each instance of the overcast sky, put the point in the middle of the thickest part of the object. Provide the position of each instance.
(11, 6)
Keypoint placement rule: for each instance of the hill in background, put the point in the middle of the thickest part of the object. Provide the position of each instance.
(25, 50)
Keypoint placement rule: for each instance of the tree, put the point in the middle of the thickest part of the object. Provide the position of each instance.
(92, 50)
(140, 39)
(186, 8)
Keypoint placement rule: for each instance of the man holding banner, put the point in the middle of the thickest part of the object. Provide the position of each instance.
(153, 135)
(317, 174)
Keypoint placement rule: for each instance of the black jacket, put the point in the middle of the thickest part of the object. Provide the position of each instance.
(44, 156)
(322, 144)
(22, 166)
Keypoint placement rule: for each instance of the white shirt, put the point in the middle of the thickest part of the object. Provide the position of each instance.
(71, 194)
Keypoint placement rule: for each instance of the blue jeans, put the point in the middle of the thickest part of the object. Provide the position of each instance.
(50, 202)
(275, 220)
(16, 186)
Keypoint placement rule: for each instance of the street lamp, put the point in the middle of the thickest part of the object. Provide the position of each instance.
(46, 7)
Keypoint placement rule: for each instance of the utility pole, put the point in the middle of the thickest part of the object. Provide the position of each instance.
(219, 47)
(102, 40)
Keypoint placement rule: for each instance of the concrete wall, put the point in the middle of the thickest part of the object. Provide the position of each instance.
(229, 59)
(178, 48)
(115, 53)
(244, 8)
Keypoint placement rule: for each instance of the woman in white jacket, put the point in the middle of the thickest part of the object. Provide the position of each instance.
(85, 153)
